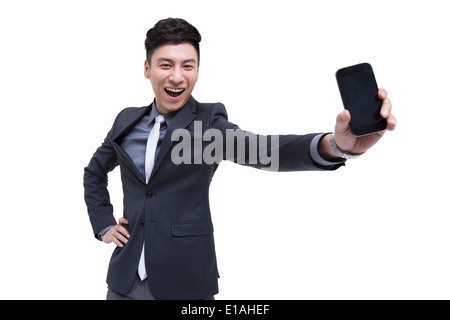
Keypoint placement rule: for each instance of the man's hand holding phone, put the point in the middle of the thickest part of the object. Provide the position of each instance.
(360, 144)
(350, 143)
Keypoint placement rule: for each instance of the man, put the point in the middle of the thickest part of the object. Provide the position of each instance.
(165, 245)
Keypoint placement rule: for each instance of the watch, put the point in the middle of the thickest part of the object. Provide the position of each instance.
(341, 153)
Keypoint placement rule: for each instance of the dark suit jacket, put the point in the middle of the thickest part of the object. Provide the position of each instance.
(171, 213)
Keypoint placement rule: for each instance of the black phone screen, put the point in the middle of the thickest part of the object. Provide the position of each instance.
(359, 92)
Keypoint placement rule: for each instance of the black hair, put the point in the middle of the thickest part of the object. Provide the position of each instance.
(172, 30)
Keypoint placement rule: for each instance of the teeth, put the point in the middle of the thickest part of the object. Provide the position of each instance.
(175, 90)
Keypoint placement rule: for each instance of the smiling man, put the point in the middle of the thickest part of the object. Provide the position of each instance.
(165, 243)
(173, 73)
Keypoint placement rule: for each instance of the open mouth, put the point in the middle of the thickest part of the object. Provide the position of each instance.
(174, 92)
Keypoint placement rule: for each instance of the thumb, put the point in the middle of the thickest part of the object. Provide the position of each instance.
(343, 122)
(123, 221)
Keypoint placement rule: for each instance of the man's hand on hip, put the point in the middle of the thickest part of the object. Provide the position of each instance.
(117, 234)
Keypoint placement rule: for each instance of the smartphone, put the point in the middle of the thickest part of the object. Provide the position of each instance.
(359, 93)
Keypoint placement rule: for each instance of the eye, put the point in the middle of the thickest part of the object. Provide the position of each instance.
(165, 66)
(188, 67)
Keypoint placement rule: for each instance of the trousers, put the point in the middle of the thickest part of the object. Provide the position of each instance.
(139, 291)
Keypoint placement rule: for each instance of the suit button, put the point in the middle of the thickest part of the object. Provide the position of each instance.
(149, 194)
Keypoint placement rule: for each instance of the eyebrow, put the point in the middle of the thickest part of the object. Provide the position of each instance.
(162, 59)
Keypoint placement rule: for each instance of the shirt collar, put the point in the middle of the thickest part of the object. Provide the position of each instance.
(154, 113)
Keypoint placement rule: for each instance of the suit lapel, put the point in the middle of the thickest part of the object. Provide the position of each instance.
(184, 117)
(124, 127)
(129, 122)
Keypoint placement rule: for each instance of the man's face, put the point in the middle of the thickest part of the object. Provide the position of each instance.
(173, 73)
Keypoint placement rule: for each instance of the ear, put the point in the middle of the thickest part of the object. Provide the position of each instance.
(146, 70)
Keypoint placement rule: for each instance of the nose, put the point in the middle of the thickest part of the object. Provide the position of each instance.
(176, 77)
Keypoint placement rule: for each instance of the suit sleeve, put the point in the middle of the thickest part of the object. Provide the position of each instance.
(95, 183)
(272, 152)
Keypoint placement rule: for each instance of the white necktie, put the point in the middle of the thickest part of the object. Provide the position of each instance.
(152, 143)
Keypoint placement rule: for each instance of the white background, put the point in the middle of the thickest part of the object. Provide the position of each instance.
(375, 229)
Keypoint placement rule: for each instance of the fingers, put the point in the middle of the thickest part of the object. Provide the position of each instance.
(391, 122)
(382, 94)
(119, 239)
(386, 109)
(117, 234)
(121, 236)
